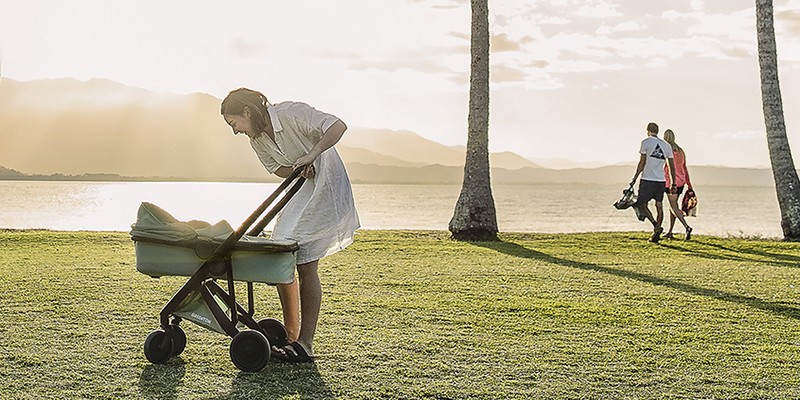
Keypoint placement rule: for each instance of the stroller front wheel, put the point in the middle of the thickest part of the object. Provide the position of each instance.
(178, 338)
(158, 347)
(250, 351)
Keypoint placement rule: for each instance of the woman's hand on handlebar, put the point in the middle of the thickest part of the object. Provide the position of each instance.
(306, 162)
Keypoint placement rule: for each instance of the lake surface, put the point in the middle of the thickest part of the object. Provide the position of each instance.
(551, 208)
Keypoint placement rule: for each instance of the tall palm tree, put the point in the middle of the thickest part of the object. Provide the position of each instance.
(787, 184)
(474, 217)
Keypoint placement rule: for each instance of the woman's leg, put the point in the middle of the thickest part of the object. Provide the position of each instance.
(673, 203)
(310, 302)
(290, 303)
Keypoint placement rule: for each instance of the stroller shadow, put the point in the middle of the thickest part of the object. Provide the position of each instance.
(162, 381)
(280, 380)
(517, 250)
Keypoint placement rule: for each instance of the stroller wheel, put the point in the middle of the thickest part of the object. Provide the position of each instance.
(158, 347)
(276, 332)
(250, 351)
(178, 338)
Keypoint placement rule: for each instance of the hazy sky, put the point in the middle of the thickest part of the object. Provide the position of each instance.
(570, 79)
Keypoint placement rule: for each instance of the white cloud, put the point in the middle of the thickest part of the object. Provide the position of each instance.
(738, 135)
(552, 20)
(597, 9)
(657, 62)
(737, 26)
(246, 48)
(627, 26)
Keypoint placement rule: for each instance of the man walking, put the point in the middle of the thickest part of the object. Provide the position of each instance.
(654, 152)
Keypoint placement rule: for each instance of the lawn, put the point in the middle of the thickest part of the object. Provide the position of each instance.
(415, 315)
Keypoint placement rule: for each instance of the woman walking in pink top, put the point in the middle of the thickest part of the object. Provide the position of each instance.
(681, 180)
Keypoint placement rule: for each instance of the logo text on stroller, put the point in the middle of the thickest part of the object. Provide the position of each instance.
(201, 318)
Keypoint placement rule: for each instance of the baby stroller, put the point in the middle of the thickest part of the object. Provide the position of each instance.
(207, 253)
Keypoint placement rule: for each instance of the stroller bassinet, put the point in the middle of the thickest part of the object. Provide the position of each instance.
(204, 252)
(168, 247)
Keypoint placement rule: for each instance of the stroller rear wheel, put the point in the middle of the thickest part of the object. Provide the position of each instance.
(250, 351)
(178, 338)
(276, 332)
(158, 347)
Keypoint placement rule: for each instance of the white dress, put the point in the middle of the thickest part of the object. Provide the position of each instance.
(322, 216)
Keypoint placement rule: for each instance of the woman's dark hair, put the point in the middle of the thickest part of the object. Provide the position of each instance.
(237, 100)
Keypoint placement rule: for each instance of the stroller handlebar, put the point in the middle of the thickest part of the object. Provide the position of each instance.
(228, 244)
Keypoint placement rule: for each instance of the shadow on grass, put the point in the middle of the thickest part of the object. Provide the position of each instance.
(778, 260)
(787, 260)
(517, 250)
(162, 381)
(717, 256)
(276, 380)
(280, 380)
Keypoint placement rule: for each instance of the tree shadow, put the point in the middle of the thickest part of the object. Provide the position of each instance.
(280, 380)
(785, 259)
(161, 381)
(711, 256)
(516, 250)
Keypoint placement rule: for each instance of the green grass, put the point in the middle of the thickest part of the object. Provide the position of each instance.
(416, 315)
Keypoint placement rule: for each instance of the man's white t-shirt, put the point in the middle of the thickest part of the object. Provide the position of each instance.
(657, 152)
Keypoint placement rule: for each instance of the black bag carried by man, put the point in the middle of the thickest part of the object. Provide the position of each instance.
(628, 199)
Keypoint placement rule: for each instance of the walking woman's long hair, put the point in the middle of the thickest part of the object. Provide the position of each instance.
(669, 137)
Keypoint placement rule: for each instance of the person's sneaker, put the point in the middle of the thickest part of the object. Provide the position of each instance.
(689, 233)
(669, 236)
(656, 234)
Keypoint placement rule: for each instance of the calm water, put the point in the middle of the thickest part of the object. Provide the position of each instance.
(722, 211)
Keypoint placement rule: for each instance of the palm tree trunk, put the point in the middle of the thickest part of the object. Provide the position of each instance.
(787, 184)
(474, 217)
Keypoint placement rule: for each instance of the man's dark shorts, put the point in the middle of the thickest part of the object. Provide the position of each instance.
(650, 190)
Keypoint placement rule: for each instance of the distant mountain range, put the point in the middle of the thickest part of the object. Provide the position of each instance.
(102, 130)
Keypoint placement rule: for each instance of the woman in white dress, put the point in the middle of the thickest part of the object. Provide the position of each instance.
(321, 217)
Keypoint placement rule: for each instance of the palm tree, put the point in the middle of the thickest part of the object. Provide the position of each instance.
(787, 184)
(474, 217)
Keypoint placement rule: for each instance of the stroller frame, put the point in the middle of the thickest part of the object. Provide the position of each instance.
(250, 349)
